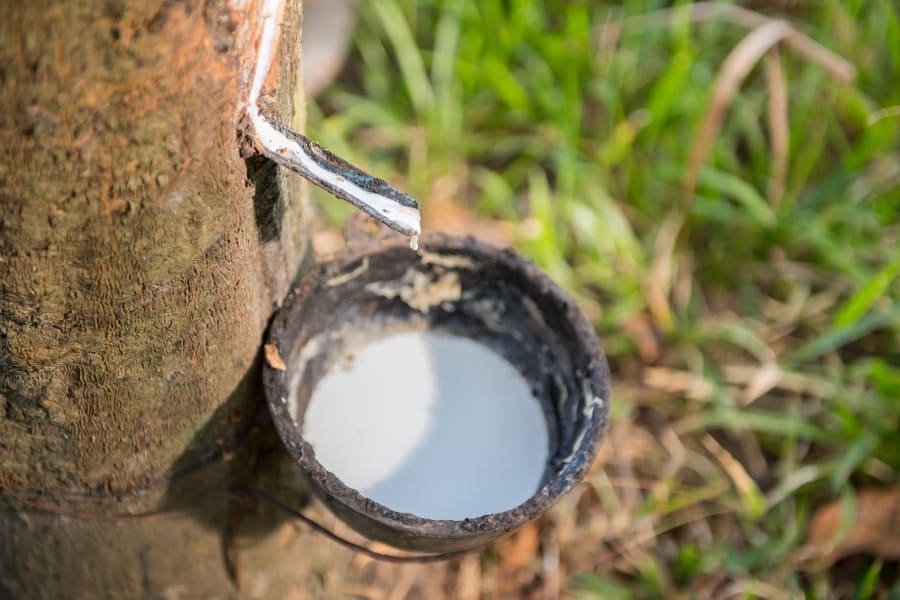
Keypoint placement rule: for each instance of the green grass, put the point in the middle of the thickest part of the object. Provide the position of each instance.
(579, 135)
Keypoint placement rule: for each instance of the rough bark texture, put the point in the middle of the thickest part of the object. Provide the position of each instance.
(140, 259)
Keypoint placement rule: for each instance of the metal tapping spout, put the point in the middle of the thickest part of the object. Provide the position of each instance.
(376, 197)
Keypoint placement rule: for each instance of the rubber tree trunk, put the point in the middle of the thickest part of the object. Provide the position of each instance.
(141, 257)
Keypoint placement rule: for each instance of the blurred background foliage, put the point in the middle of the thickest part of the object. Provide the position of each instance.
(719, 187)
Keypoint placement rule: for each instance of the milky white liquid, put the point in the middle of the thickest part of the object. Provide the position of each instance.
(434, 425)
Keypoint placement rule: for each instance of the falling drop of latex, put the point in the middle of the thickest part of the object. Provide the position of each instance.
(414, 242)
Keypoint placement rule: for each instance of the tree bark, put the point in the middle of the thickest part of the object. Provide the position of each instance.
(140, 260)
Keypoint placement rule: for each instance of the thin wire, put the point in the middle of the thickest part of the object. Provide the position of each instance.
(246, 491)
(319, 528)
(37, 507)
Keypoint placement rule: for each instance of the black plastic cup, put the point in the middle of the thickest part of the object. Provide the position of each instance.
(458, 286)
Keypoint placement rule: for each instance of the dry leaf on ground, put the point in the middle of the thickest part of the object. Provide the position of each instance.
(875, 529)
(518, 549)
